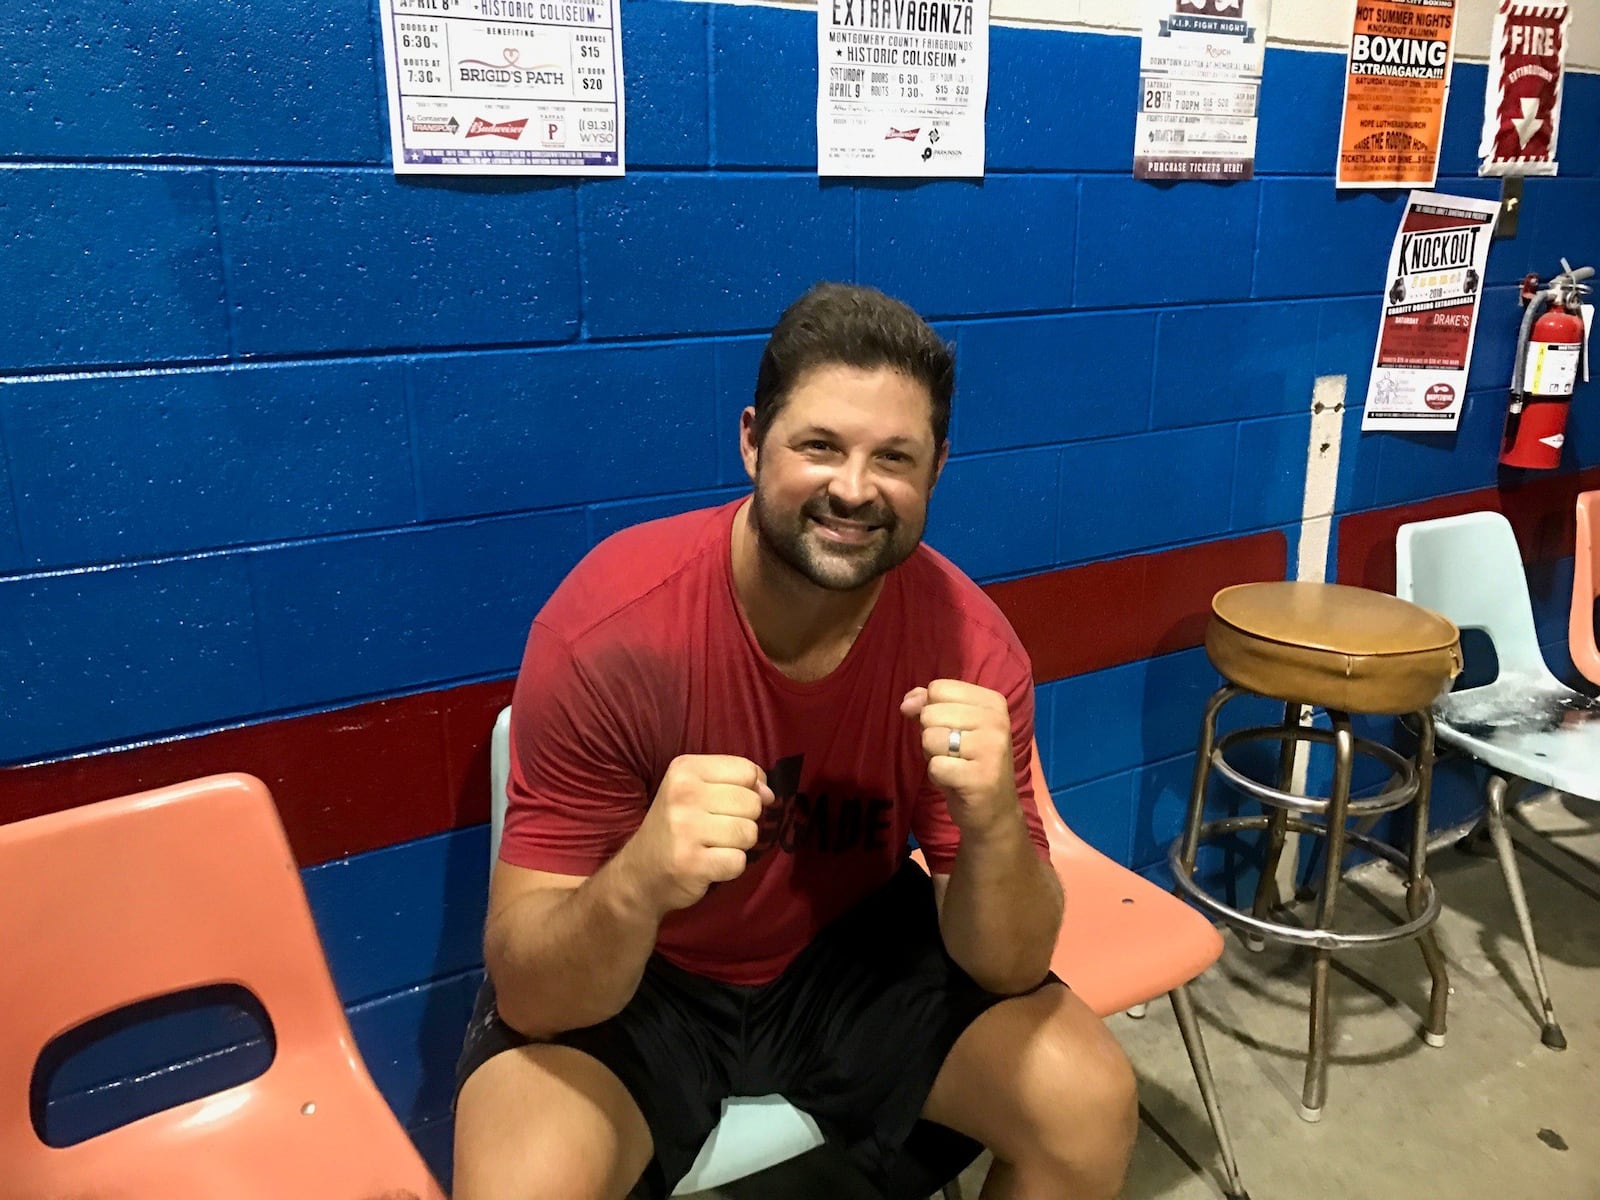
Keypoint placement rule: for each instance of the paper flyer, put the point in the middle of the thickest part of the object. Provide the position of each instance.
(1199, 80)
(504, 87)
(1522, 107)
(1397, 78)
(1430, 313)
(902, 86)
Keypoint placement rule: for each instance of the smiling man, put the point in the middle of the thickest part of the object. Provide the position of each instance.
(726, 727)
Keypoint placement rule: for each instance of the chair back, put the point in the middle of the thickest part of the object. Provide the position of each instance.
(499, 778)
(1468, 568)
(1063, 842)
(1585, 588)
(1123, 940)
(153, 894)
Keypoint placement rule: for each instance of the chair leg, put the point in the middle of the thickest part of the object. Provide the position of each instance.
(1439, 997)
(1190, 846)
(1267, 895)
(1189, 1026)
(1551, 1034)
(1316, 1082)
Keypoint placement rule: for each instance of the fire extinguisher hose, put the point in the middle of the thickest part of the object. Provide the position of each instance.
(1530, 314)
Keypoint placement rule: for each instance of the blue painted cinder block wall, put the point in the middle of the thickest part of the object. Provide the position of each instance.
(279, 432)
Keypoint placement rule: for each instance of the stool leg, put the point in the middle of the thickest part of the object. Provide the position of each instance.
(1189, 1026)
(1202, 770)
(1551, 1034)
(1316, 1083)
(1416, 885)
(1267, 896)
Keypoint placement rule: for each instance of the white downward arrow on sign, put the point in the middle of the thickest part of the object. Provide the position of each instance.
(1528, 123)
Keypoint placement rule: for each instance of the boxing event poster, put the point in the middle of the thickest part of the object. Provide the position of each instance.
(1522, 108)
(1199, 78)
(1397, 78)
(1430, 313)
(902, 86)
(504, 87)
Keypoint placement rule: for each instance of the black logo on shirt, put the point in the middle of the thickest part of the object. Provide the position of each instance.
(825, 823)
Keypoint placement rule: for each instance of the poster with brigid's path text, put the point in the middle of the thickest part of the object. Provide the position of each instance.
(504, 87)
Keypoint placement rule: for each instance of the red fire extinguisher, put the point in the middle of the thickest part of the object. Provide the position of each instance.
(1548, 348)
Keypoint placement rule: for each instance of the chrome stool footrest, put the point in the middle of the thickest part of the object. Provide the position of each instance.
(1325, 939)
(1397, 793)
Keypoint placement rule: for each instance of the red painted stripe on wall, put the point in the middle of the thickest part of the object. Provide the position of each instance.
(345, 781)
(1100, 615)
(372, 775)
(1541, 511)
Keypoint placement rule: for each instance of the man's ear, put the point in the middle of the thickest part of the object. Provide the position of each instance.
(938, 462)
(749, 448)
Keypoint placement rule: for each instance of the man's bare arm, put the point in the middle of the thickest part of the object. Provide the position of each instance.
(543, 946)
(1000, 910)
(1000, 906)
(566, 951)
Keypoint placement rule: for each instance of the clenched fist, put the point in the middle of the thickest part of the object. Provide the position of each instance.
(966, 736)
(703, 819)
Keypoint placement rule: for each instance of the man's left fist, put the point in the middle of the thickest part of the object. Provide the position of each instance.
(966, 736)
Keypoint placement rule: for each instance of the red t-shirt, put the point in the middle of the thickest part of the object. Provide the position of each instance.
(643, 654)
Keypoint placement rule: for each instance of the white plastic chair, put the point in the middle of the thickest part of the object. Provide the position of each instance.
(1525, 725)
(756, 1132)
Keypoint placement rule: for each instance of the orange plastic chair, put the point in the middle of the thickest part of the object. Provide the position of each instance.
(1585, 587)
(152, 894)
(1125, 942)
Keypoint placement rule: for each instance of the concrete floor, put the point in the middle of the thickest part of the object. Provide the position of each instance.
(1493, 1115)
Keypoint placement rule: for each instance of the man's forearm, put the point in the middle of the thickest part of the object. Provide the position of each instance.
(565, 958)
(1002, 909)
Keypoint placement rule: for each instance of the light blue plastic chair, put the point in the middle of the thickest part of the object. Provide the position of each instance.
(1525, 725)
(756, 1132)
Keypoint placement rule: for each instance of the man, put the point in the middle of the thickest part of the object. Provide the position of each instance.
(725, 727)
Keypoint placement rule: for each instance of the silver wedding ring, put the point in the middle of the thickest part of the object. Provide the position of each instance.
(955, 743)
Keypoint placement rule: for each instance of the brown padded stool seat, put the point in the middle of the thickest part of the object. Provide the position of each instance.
(1332, 646)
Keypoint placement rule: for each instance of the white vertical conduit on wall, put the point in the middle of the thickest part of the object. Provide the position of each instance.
(1311, 562)
(1322, 478)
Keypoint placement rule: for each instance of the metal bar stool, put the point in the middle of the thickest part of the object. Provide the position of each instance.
(1346, 650)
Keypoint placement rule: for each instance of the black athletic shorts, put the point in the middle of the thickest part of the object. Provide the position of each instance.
(853, 1032)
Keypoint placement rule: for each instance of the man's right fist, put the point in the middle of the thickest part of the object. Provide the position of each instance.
(703, 819)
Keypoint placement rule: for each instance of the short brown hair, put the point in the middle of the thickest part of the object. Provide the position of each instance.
(853, 326)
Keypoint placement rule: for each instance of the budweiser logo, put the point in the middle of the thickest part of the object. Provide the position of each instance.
(506, 129)
(905, 135)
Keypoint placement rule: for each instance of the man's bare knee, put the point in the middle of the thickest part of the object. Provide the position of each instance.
(547, 1123)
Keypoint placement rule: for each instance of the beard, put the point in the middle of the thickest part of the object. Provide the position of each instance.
(839, 567)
